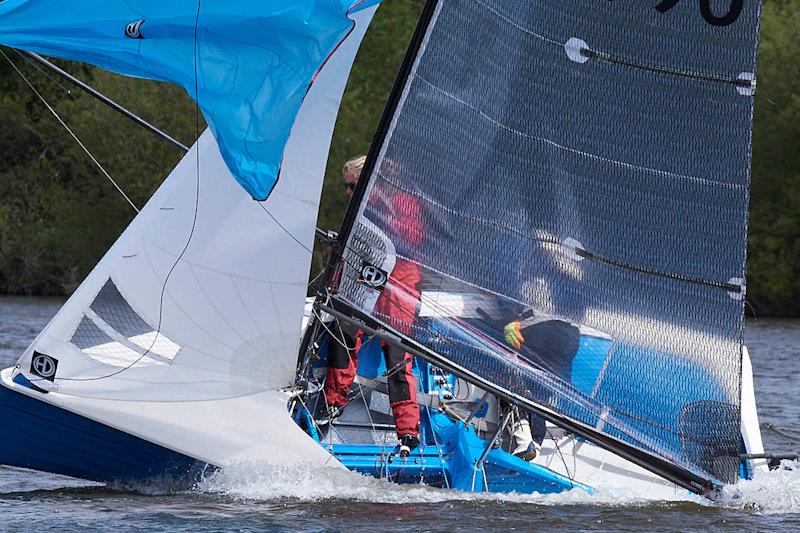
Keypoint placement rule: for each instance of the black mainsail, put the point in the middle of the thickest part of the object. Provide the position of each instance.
(580, 169)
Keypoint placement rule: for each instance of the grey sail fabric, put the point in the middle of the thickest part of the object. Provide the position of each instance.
(565, 185)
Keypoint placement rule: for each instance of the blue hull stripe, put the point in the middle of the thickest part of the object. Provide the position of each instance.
(41, 436)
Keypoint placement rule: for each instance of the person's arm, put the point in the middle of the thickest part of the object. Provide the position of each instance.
(513, 330)
(513, 334)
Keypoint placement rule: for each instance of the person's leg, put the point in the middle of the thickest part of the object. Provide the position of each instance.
(398, 301)
(525, 443)
(342, 367)
(538, 428)
(521, 433)
(402, 391)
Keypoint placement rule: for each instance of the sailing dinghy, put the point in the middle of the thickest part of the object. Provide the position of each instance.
(579, 168)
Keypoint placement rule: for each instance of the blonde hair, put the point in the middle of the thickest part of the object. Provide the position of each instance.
(354, 165)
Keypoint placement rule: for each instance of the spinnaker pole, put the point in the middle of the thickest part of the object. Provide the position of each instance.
(104, 99)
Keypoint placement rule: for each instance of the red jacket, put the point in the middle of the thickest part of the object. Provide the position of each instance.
(399, 299)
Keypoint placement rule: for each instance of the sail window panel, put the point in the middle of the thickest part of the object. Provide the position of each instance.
(157, 343)
(608, 198)
(114, 309)
(439, 303)
(126, 326)
(119, 355)
(87, 335)
(97, 345)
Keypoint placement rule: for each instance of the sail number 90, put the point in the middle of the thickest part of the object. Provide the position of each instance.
(728, 18)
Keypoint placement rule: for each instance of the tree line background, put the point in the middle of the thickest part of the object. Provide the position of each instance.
(58, 214)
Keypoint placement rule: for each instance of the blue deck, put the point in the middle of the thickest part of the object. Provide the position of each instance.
(454, 464)
(449, 456)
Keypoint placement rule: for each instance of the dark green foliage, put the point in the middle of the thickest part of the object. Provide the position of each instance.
(774, 251)
(58, 214)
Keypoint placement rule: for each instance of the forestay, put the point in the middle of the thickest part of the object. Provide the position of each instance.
(584, 165)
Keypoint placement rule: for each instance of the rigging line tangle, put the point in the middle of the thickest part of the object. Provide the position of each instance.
(69, 130)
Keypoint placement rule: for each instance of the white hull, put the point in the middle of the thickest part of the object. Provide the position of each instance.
(605, 471)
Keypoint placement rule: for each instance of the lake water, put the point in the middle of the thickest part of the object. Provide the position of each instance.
(253, 499)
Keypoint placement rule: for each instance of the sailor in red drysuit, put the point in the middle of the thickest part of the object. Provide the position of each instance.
(343, 363)
(397, 306)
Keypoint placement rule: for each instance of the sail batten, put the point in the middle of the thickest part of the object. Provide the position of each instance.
(585, 182)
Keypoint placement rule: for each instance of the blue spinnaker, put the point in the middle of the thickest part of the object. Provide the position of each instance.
(248, 63)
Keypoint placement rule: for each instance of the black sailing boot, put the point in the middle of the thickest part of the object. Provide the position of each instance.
(408, 443)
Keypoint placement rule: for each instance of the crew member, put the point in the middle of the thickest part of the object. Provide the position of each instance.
(547, 343)
(345, 342)
(397, 305)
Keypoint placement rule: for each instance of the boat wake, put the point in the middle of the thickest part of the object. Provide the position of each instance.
(250, 481)
(774, 492)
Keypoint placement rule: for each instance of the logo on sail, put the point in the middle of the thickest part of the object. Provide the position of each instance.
(132, 30)
(44, 366)
(373, 276)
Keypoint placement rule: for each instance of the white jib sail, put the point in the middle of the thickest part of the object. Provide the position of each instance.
(199, 368)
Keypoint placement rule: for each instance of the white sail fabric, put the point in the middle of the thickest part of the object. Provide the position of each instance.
(190, 323)
(231, 307)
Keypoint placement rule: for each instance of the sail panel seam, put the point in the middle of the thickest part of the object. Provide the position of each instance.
(497, 123)
(727, 286)
(514, 24)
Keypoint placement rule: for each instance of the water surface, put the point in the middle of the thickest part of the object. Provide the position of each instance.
(251, 498)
